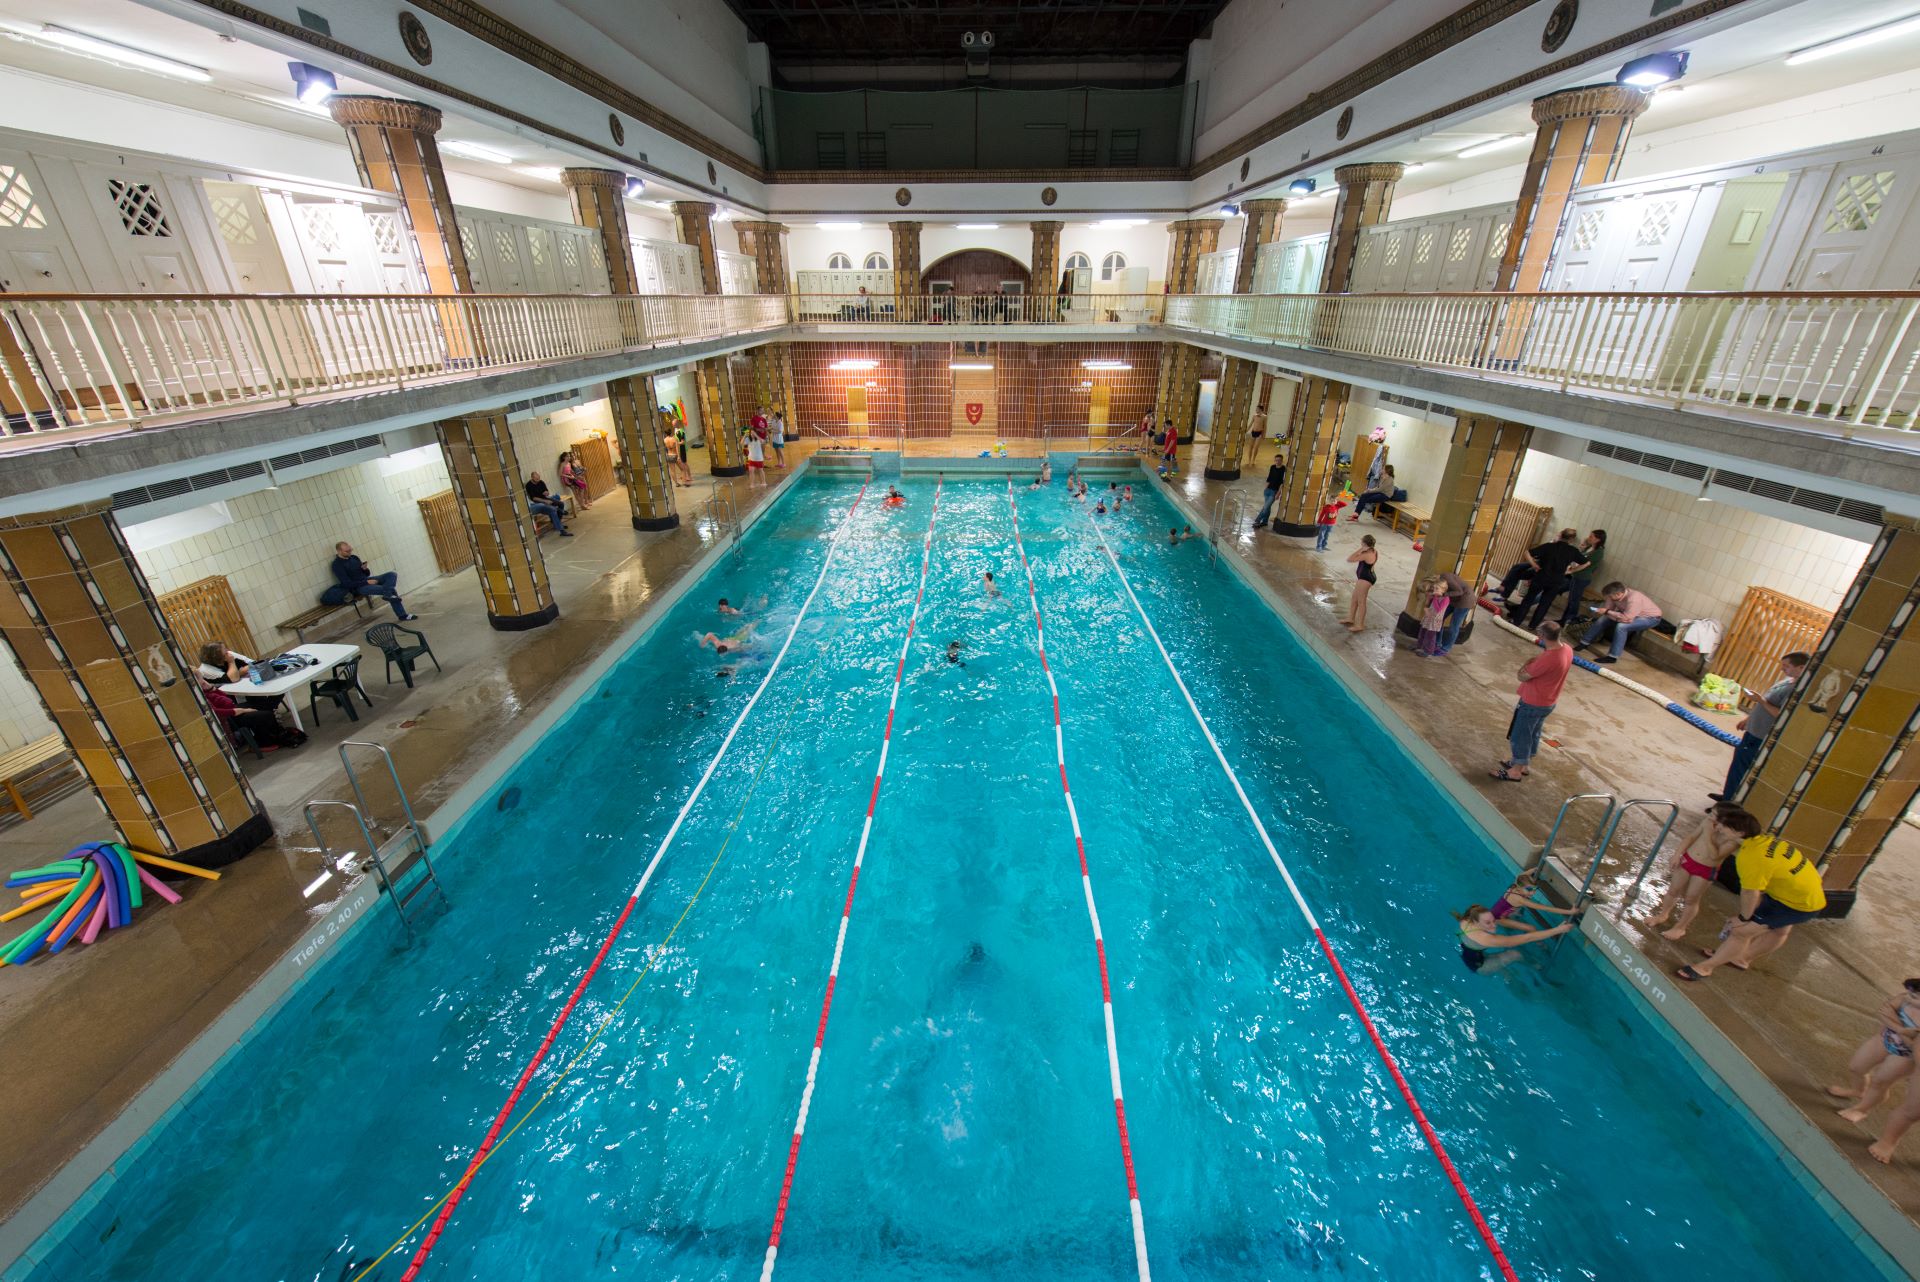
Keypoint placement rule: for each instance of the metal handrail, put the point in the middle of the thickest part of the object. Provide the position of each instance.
(984, 310)
(1602, 840)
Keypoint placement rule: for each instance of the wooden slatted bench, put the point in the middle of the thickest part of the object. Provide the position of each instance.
(1395, 514)
(36, 767)
(300, 622)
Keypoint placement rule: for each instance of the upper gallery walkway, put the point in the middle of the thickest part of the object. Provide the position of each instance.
(1825, 385)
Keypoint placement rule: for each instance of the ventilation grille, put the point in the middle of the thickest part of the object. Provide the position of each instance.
(534, 404)
(1774, 491)
(1418, 407)
(175, 487)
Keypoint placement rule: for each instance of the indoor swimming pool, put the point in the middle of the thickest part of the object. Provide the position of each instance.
(960, 1118)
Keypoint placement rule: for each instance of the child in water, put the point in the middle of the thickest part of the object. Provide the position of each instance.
(894, 497)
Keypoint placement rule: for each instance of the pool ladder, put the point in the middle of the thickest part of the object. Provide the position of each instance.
(1224, 521)
(1596, 852)
(722, 510)
(403, 851)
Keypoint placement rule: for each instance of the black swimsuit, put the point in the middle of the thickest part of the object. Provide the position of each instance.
(1365, 572)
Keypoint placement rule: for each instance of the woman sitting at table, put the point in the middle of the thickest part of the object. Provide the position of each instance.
(260, 722)
(222, 666)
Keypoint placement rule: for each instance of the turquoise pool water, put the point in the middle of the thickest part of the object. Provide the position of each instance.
(962, 1125)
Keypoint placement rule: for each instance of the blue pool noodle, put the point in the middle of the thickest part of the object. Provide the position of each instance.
(1687, 715)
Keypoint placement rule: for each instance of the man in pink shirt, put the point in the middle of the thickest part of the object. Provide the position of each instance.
(1626, 612)
(1540, 683)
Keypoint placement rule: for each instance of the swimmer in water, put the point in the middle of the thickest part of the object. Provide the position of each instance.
(993, 589)
(953, 653)
(1523, 894)
(727, 645)
(1127, 493)
(1484, 949)
(894, 497)
(1046, 475)
(1177, 537)
(1100, 507)
(729, 609)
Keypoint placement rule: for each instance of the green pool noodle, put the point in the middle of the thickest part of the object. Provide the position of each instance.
(37, 935)
(133, 872)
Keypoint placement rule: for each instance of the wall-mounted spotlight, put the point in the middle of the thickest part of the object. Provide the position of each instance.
(635, 186)
(312, 85)
(1229, 211)
(1302, 186)
(1654, 69)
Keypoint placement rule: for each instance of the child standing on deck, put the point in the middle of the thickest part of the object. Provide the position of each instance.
(1329, 514)
(1433, 617)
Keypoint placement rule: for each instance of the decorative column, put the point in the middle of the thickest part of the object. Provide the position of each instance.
(772, 362)
(392, 144)
(1366, 197)
(907, 286)
(1234, 407)
(486, 474)
(1178, 394)
(1581, 137)
(693, 223)
(1044, 275)
(1839, 769)
(599, 198)
(86, 631)
(713, 382)
(1320, 407)
(1482, 466)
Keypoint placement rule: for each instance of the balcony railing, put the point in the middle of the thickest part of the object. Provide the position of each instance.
(125, 360)
(979, 309)
(1852, 360)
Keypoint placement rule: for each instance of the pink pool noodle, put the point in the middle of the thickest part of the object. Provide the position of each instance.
(158, 887)
(98, 920)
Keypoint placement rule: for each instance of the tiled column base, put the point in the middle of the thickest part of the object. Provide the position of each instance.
(1232, 417)
(642, 436)
(86, 631)
(773, 382)
(1482, 466)
(485, 473)
(1838, 771)
(714, 383)
(1178, 395)
(1313, 437)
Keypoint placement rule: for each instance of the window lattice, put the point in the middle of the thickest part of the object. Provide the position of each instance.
(506, 247)
(18, 208)
(1586, 231)
(141, 212)
(1497, 243)
(1458, 244)
(1655, 223)
(386, 232)
(469, 243)
(570, 253)
(322, 229)
(1390, 256)
(1364, 255)
(537, 252)
(596, 254)
(235, 220)
(1423, 245)
(1856, 206)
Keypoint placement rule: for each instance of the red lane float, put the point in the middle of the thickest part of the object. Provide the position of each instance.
(846, 909)
(481, 1153)
(1093, 912)
(1359, 1007)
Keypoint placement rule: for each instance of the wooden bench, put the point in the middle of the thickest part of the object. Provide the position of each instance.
(300, 622)
(37, 766)
(1395, 514)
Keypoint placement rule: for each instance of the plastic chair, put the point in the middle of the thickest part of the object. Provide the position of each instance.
(399, 652)
(244, 740)
(339, 687)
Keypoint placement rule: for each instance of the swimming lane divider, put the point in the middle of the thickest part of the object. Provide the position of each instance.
(846, 910)
(1353, 996)
(481, 1154)
(1093, 912)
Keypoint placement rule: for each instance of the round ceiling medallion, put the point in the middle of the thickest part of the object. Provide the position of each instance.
(1559, 25)
(413, 34)
(618, 130)
(1345, 123)
(1048, 195)
(903, 197)
(1246, 167)
(713, 175)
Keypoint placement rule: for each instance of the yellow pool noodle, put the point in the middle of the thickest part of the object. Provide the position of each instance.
(159, 862)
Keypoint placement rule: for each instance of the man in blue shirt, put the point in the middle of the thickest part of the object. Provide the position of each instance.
(352, 574)
(1758, 722)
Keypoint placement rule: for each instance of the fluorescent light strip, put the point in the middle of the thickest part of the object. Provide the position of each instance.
(94, 46)
(852, 365)
(1105, 365)
(474, 151)
(545, 173)
(838, 226)
(1121, 222)
(968, 365)
(1488, 148)
(976, 226)
(1858, 40)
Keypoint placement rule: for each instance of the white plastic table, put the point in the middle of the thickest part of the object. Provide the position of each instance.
(327, 654)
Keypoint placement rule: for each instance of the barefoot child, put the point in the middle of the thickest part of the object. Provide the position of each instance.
(1433, 617)
(1885, 1057)
(1698, 861)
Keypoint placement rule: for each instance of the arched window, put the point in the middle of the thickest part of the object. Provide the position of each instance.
(839, 263)
(876, 262)
(1078, 262)
(1112, 265)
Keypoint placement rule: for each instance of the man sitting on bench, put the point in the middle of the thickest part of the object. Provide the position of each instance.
(540, 499)
(352, 574)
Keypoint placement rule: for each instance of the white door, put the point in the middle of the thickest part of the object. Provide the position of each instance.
(136, 215)
(505, 251)
(1460, 253)
(246, 237)
(543, 265)
(1423, 258)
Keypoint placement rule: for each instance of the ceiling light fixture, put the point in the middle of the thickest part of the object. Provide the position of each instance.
(1229, 211)
(1121, 222)
(1654, 69)
(545, 173)
(723, 216)
(1488, 148)
(976, 365)
(976, 226)
(838, 226)
(635, 186)
(474, 151)
(1302, 187)
(1108, 365)
(852, 365)
(312, 85)
(95, 47)
(1858, 40)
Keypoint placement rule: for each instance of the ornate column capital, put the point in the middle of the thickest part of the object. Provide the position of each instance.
(613, 179)
(351, 109)
(1263, 205)
(1386, 171)
(1591, 100)
(694, 208)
